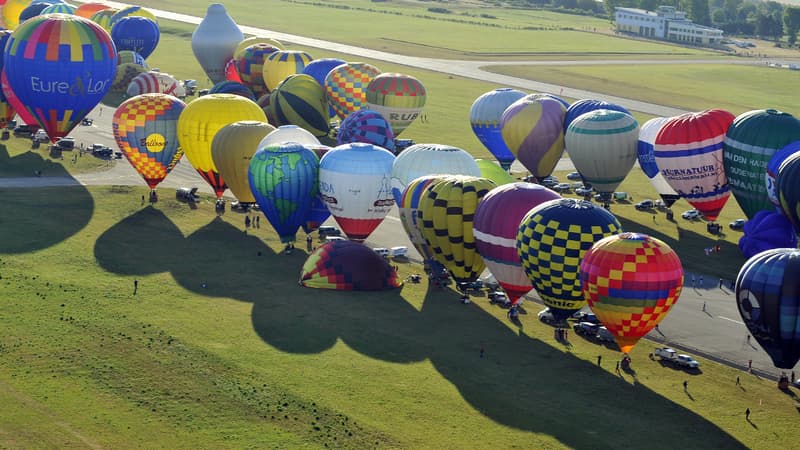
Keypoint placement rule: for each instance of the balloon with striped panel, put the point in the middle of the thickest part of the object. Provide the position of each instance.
(348, 266)
(346, 86)
(408, 208)
(250, 64)
(145, 128)
(60, 67)
(234, 88)
(493, 171)
(484, 117)
(14, 102)
(125, 75)
(552, 240)
(300, 100)
(366, 125)
(87, 10)
(132, 11)
(532, 129)
(603, 146)
(647, 161)
(689, 152)
(7, 110)
(144, 83)
(787, 188)
(281, 64)
(495, 226)
(59, 8)
(253, 40)
(631, 281)
(583, 106)
(103, 18)
(446, 211)
(397, 97)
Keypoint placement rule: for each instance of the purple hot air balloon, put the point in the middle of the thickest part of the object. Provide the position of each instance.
(532, 130)
(765, 231)
(366, 125)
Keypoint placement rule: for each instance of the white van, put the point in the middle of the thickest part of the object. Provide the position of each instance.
(398, 252)
(382, 251)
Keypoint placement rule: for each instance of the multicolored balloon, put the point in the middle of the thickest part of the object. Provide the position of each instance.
(10, 12)
(145, 128)
(495, 228)
(132, 11)
(300, 100)
(446, 212)
(767, 230)
(200, 122)
(249, 65)
(253, 40)
(231, 151)
(752, 139)
(348, 266)
(7, 111)
(631, 281)
(319, 69)
(647, 160)
(214, 41)
(14, 102)
(281, 64)
(485, 115)
(772, 170)
(408, 208)
(354, 182)
(346, 86)
(552, 240)
(397, 97)
(59, 8)
(59, 67)
(138, 34)
(87, 10)
(366, 125)
(768, 298)
(103, 18)
(130, 57)
(430, 159)
(284, 181)
(125, 75)
(688, 150)
(493, 171)
(532, 130)
(788, 189)
(603, 147)
(319, 213)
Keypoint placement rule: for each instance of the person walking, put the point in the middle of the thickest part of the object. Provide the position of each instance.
(599, 359)
(704, 306)
(685, 385)
(748, 338)
(737, 381)
(693, 283)
(701, 281)
(747, 414)
(616, 369)
(135, 286)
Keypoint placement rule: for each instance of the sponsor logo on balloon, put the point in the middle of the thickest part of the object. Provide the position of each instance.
(74, 89)
(690, 173)
(399, 116)
(328, 199)
(154, 142)
(384, 202)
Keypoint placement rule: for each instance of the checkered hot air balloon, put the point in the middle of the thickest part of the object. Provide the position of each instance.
(348, 266)
(552, 240)
(631, 281)
(346, 86)
(145, 128)
(250, 64)
(366, 125)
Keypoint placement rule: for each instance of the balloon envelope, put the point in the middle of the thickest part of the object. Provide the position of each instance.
(214, 41)
(319, 69)
(232, 148)
(631, 281)
(397, 97)
(348, 266)
(493, 171)
(281, 64)
(788, 189)
(289, 133)
(232, 87)
(532, 128)
(345, 87)
(765, 231)
(138, 34)
(87, 10)
(408, 208)
(430, 159)
(768, 297)
(581, 107)
(249, 65)
(484, 116)
(366, 125)
(647, 160)
(772, 170)
(300, 100)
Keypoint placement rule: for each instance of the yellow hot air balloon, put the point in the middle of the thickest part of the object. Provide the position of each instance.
(280, 65)
(231, 150)
(255, 40)
(493, 171)
(201, 120)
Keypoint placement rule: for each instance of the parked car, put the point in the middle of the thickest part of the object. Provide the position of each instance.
(738, 224)
(383, 251)
(645, 205)
(334, 238)
(549, 181)
(546, 316)
(603, 335)
(40, 136)
(398, 252)
(187, 194)
(586, 328)
(670, 355)
(498, 297)
(583, 316)
(574, 176)
(490, 282)
(328, 230)
(584, 191)
(87, 121)
(66, 143)
(25, 130)
(561, 187)
(691, 214)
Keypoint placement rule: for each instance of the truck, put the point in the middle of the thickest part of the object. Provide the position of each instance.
(670, 355)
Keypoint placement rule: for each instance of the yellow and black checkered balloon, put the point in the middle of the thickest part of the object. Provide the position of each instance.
(551, 242)
(446, 212)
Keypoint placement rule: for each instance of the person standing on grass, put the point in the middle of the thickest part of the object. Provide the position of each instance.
(685, 385)
(747, 414)
(135, 286)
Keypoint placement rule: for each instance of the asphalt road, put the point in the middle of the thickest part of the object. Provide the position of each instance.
(705, 321)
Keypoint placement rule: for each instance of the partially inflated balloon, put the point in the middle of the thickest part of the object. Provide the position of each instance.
(647, 160)
(145, 128)
(772, 170)
(129, 57)
(484, 116)
(750, 142)
(492, 171)
(496, 223)
(145, 83)
(345, 87)
(249, 65)
(631, 281)
(603, 146)
(87, 10)
(138, 34)
(430, 159)
(348, 266)
(580, 107)
(551, 241)
(688, 150)
(788, 189)
(283, 180)
(446, 210)
(765, 231)
(201, 120)
(366, 125)
(532, 130)
(397, 97)
(281, 64)
(354, 181)
(60, 67)
(768, 297)
(231, 151)
(214, 41)
(300, 100)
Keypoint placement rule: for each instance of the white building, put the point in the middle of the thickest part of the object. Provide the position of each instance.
(665, 23)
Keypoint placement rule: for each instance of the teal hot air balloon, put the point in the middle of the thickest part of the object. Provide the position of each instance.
(284, 181)
(751, 141)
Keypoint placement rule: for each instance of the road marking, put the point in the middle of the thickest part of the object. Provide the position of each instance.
(731, 320)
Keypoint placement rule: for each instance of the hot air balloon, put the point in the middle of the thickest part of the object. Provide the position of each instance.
(492, 171)
(366, 125)
(13, 101)
(319, 69)
(532, 130)
(788, 189)
(59, 67)
(290, 133)
(281, 64)
(283, 180)
(7, 111)
(231, 73)
(214, 41)
(397, 97)
(495, 227)
(768, 297)
(346, 86)
(231, 151)
(484, 116)
(348, 266)
(688, 150)
(249, 65)
(772, 170)
(408, 208)
(10, 12)
(241, 46)
(132, 11)
(232, 87)
(125, 75)
(602, 146)
(427, 159)
(299, 100)
(145, 128)
(765, 231)
(647, 160)
(551, 96)
(138, 34)
(32, 10)
(752, 139)
(59, 8)
(130, 57)
(87, 10)
(446, 212)
(170, 85)
(551, 241)
(319, 213)
(580, 107)
(631, 281)
(144, 83)
(103, 18)
(354, 182)
(201, 120)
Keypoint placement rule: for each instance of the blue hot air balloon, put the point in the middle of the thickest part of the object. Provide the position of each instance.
(484, 116)
(136, 33)
(588, 105)
(765, 231)
(319, 68)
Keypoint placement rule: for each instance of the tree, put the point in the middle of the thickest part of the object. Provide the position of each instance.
(791, 23)
(650, 5)
(699, 12)
(731, 8)
(768, 26)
